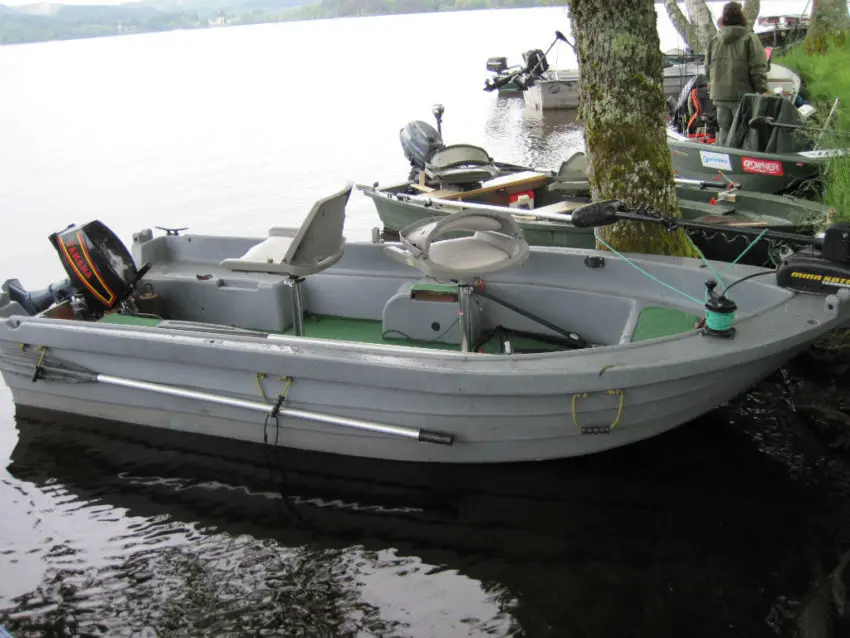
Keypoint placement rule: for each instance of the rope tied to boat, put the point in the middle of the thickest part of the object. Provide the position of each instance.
(598, 429)
(38, 371)
(278, 404)
(720, 312)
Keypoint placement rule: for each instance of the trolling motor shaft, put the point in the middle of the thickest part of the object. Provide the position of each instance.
(821, 263)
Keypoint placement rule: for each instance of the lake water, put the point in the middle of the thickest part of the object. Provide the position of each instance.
(703, 532)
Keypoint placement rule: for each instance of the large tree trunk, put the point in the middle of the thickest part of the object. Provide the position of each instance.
(623, 110)
(830, 21)
(682, 25)
(702, 21)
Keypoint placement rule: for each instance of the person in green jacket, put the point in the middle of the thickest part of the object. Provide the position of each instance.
(735, 64)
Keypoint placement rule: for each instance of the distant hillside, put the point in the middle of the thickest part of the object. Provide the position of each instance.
(50, 21)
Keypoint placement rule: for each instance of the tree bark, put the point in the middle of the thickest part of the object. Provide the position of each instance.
(751, 12)
(702, 21)
(682, 25)
(623, 110)
(830, 22)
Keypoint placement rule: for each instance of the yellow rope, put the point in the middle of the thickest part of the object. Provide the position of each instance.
(584, 395)
(575, 398)
(619, 408)
(262, 375)
(41, 358)
(286, 387)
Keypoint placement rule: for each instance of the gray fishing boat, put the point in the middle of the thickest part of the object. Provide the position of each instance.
(473, 349)
(550, 197)
(769, 148)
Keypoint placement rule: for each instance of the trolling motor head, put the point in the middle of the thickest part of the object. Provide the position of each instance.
(824, 269)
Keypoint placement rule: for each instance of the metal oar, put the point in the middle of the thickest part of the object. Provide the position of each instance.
(45, 370)
(450, 203)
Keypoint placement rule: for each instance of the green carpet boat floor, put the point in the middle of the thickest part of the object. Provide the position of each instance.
(654, 322)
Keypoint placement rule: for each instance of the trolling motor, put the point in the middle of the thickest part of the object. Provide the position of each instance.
(101, 273)
(818, 264)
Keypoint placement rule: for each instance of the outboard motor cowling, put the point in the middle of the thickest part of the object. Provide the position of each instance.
(497, 64)
(98, 264)
(419, 140)
(536, 63)
(101, 273)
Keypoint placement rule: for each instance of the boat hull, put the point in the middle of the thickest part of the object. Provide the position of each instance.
(760, 172)
(560, 90)
(514, 429)
(786, 214)
(498, 408)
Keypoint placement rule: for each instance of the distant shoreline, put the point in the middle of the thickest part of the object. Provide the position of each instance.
(53, 22)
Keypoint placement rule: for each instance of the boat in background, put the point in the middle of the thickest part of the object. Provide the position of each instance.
(778, 31)
(446, 179)
(769, 148)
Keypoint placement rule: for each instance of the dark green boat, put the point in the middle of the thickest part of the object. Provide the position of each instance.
(769, 147)
(553, 196)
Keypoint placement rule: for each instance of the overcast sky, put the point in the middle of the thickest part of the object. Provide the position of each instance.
(17, 3)
(798, 5)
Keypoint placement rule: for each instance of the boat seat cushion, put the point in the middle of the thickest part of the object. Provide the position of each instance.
(496, 243)
(461, 164)
(476, 255)
(297, 252)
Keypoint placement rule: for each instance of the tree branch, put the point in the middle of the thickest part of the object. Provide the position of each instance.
(685, 28)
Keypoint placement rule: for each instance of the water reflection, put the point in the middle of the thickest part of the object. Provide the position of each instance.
(542, 139)
(688, 534)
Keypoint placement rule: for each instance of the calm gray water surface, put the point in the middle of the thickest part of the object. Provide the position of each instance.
(232, 131)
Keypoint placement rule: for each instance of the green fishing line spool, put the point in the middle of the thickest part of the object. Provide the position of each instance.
(719, 313)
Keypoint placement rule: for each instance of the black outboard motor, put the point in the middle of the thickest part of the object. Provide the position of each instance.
(536, 63)
(101, 273)
(497, 64)
(419, 141)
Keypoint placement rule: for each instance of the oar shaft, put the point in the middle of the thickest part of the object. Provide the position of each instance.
(359, 424)
(48, 371)
(434, 201)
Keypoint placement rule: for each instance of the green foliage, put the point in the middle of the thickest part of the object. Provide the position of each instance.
(77, 21)
(827, 77)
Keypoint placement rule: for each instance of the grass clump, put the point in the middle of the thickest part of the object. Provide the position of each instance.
(827, 77)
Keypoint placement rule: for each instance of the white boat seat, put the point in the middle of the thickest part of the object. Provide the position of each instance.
(300, 251)
(496, 244)
(460, 164)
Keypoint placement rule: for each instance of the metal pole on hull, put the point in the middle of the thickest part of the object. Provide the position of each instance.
(371, 426)
(47, 371)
